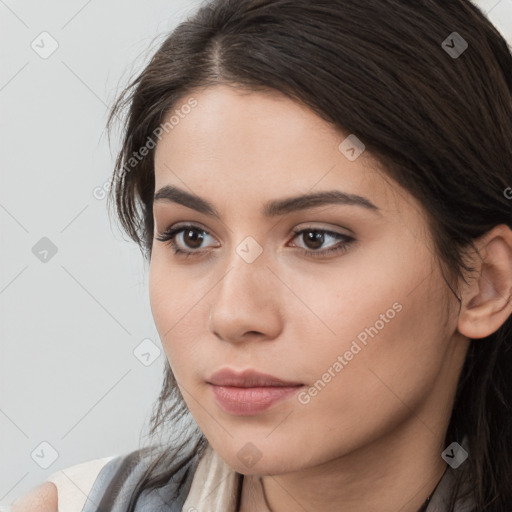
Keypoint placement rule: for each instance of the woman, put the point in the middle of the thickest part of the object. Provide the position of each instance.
(323, 193)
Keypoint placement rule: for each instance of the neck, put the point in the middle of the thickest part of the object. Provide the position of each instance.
(390, 474)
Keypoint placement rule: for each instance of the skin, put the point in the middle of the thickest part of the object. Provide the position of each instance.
(371, 439)
(42, 498)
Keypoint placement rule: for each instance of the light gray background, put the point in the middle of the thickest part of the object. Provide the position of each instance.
(69, 326)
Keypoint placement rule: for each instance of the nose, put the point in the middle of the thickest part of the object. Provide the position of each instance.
(247, 303)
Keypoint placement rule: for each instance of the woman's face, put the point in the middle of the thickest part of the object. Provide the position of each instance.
(360, 321)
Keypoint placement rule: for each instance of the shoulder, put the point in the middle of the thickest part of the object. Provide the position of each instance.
(42, 498)
(65, 490)
(109, 483)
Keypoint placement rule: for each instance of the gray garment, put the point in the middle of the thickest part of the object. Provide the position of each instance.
(440, 498)
(116, 481)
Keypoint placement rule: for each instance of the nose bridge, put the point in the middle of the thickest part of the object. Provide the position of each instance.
(245, 299)
(247, 273)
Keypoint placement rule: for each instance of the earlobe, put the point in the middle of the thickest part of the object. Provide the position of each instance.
(487, 298)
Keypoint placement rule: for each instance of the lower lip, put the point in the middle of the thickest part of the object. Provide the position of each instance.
(249, 401)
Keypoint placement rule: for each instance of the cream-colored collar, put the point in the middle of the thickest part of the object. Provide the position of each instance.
(215, 487)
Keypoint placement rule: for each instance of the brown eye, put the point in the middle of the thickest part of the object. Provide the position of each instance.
(185, 240)
(192, 238)
(313, 239)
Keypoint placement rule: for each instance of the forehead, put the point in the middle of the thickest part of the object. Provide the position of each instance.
(241, 142)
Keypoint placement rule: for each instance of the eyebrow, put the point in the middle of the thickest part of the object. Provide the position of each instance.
(273, 208)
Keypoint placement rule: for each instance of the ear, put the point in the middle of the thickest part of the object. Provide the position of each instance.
(487, 298)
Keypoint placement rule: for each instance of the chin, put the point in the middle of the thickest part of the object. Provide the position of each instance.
(258, 464)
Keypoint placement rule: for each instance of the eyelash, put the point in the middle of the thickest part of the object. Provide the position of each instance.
(170, 234)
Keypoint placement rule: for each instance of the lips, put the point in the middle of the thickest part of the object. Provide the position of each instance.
(248, 379)
(249, 392)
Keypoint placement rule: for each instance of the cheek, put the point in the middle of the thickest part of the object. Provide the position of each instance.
(173, 291)
(389, 351)
(179, 309)
(378, 337)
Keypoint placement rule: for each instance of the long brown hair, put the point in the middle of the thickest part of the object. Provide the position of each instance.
(439, 123)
